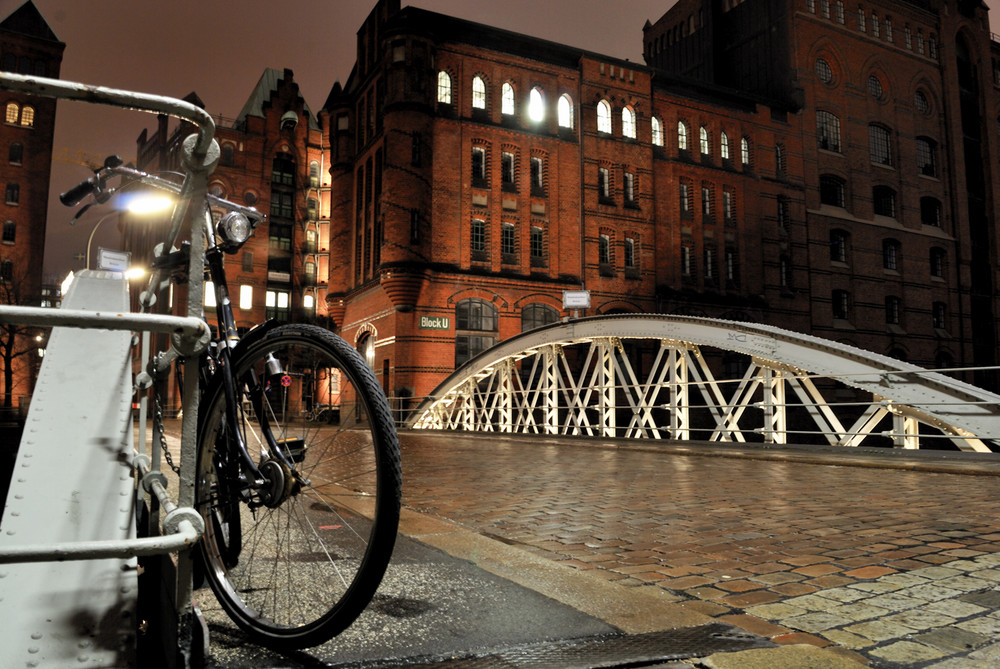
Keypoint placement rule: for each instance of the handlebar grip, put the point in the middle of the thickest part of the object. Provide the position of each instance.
(78, 192)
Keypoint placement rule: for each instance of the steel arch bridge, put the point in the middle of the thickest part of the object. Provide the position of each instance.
(683, 378)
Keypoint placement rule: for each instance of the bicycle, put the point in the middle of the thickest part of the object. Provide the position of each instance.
(300, 516)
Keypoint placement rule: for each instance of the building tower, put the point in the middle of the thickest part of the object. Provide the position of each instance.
(27, 46)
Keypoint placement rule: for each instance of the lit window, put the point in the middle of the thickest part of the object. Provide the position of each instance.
(629, 186)
(478, 93)
(745, 151)
(246, 297)
(13, 112)
(604, 117)
(309, 302)
(565, 109)
(628, 123)
(724, 145)
(682, 136)
(444, 88)
(706, 147)
(536, 106)
(657, 131)
(28, 116)
(507, 99)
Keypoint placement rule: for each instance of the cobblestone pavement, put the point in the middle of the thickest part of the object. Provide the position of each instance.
(891, 566)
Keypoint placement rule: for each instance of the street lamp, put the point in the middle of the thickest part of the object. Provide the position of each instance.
(136, 203)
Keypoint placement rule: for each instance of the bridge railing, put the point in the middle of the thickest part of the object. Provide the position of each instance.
(693, 379)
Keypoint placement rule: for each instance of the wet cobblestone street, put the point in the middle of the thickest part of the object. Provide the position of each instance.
(893, 566)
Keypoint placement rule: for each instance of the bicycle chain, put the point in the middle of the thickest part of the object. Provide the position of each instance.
(158, 426)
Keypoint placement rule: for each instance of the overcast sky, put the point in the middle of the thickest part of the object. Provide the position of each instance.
(219, 50)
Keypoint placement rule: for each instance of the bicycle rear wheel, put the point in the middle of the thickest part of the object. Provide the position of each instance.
(296, 571)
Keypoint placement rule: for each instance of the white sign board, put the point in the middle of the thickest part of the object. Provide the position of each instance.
(116, 261)
(576, 299)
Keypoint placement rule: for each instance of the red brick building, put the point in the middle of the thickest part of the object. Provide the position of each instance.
(27, 46)
(804, 164)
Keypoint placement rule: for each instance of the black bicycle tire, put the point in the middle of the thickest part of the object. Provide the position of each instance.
(387, 503)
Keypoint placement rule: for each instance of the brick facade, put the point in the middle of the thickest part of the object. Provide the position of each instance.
(27, 46)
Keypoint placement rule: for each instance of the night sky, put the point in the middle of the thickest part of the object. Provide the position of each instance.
(219, 50)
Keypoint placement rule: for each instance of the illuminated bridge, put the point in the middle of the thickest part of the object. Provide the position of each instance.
(687, 378)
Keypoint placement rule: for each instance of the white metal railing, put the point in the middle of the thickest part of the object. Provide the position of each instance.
(662, 377)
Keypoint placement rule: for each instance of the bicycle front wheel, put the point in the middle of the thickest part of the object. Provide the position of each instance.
(298, 569)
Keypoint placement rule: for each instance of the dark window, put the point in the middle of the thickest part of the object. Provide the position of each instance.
(16, 153)
(537, 244)
(479, 167)
(831, 190)
(9, 232)
(840, 305)
(6, 271)
(280, 237)
(891, 254)
(782, 212)
(930, 211)
(880, 144)
(248, 261)
(937, 262)
(283, 170)
(13, 193)
(925, 157)
(828, 131)
(604, 249)
(604, 185)
(507, 171)
(312, 208)
(507, 239)
(884, 201)
(476, 328)
(685, 199)
(838, 246)
(478, 239)
(892, 310)
(631, 257)
(536, 315)
(281, 204)
(939, 315)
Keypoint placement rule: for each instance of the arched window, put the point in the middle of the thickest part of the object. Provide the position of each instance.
(724, 145)
(706, 146)
(444, 88)
(828, 131)
(745, 151)
(925, 157)
(475, 328)
(565, 109)
(366, 347)
(628, 122)
(880, 144)
(604, 117)
(884, 201)
(13, 112)
(313, 174)
(780, 167)
(657, 131)
(478, 93)
(682, 136)
(507, 99)
(536, 106)
(536, 315)
(228, 154)
(28, 116)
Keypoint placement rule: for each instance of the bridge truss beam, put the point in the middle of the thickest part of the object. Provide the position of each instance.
(683, 378)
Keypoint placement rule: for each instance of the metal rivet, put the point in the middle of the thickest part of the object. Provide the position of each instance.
(36, 635)
(33, 650)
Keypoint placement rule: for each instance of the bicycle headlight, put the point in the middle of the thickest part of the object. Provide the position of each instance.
(235, 229)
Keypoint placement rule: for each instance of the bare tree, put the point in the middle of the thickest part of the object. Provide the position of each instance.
(18, 287)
